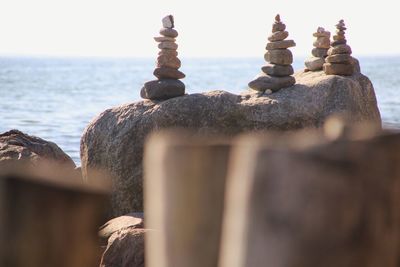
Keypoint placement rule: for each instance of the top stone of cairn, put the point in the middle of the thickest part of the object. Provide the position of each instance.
(168, 22)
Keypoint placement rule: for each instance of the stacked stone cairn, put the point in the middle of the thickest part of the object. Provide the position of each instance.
(339, 60)
(168, 84)
(277, 73)
(320, 51)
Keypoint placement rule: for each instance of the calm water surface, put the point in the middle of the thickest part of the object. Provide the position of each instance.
(56, 98)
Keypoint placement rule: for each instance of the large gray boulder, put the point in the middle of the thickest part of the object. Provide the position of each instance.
(112, 143)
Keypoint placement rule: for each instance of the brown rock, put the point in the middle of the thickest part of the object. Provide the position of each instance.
(322, 33)
(168, 52)
(278, 27)
(339, 37)
(160, 39)
(335, 43)
(339, 58)
(319, 52)
(169, 32)
(314, 63)
(168, 45)
(168, 61)
(322, 42)
(279, 56)
(168, 73)
(265, 82)
(278, 70)
(162, 89)
(339, 49)
(278, 36)
(338, 69)
(280, 44)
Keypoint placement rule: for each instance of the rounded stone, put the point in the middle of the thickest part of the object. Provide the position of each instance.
(278, 27)
(278, 36)
(278, 70)
(322, 34)
(168, 61)
(266, 82)
(162, 89)
(168, 52)
(340, 49)
(339, 37)
(280, 44)
(335, 43)
(168, 21)
(279, 56)
(160, 39)
(319, 52)
(168, 45)
(314, 63)
(339, 58)
(169, 32)
(322, 42)
(338, 69)
(168, 73)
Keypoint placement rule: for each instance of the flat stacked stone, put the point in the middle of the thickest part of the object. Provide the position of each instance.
(167, 85)
(339, 60)
(320, 51)
(276, 74)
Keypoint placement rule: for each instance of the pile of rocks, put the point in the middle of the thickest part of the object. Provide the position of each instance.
(339, 60)
(322, 44)
(276, 74)
(168, 84)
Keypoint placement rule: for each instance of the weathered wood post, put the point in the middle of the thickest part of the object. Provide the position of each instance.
(184, 194)
(304, 201)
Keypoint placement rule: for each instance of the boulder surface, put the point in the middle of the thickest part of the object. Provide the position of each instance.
(113, 142)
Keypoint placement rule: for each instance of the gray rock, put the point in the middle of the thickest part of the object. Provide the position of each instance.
(278, 70)
(264, 82)
(168, 45)
(339, 69)
(278, 27)
(279, 56)
(162, 89)
(113, 142)
(168, 21)
(168, 73)
(278, 36)
(280, 44)
(335, 43)
(340, 49)
(168, 32)
(160, 39)
(339, 58)
(314, 63)
(319, 52)
(168, 52)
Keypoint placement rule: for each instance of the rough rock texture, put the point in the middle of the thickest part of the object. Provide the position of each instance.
(113, 142)
(125, 249)
(131, 220)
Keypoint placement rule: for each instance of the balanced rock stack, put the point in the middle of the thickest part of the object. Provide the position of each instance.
(322, 44)
(277, 74)
(339, 60)
(168, 84)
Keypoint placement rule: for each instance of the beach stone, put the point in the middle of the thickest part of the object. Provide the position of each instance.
(339, 37)
(319, 52)
(168, 73)
(339, 58)
(335, 43)
(322, 42)
(168, 52)
(280, 44)
(340, 32)
(338, 69)
(278, 27)
(264, 82)
(160, 39)
(278, 70)
(168, 45)
(322, 33)
(162, 89)
(279, 56)
(278, 36)
(168, 61)
(168, 32)
(339, 49)
(314, 63)
(168, 21)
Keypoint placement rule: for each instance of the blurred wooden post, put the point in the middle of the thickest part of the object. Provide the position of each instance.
(297, 201)
(184, 195)
(45, 223)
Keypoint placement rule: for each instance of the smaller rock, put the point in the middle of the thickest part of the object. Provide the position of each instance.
(339, 58)
(278, 27)
(278, 70)
(339, 37)
(168, 73)
(162, 89)
(265, 82)
(322, 42)
(168, 32)
(168, 22)
(280, 44)
(339, 49)
(319, 52)
(322, 33)
(279, 56)
(314, 63)
(335, 43)
(338, 69)
(164, 39)
(168, 61)
(168, 45)
(168, 52)
(278, 36)
(268, 92)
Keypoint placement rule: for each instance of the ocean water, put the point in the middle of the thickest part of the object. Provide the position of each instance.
(55, 98)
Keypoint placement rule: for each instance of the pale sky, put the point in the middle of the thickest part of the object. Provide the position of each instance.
(211, 28)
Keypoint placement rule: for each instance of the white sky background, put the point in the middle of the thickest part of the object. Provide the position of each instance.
(207, 28)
